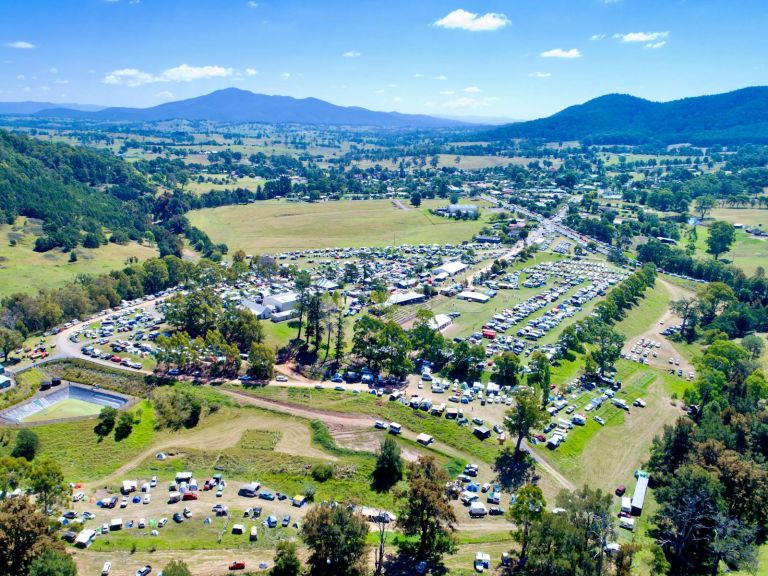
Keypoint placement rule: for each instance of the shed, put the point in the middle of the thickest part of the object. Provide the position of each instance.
(282, 302)
(403, 299)
(473, 296)
(259, 310)
(638, 498)
(440, 322)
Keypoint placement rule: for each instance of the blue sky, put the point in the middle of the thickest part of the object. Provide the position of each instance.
(512, 58)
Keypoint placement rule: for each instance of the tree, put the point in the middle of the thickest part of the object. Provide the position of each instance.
(704, 205)
(608, 344)
(389, 465)
(10, 340)
(176, 568)
(303, 281)
(688, 310)
(287, 562)
(524, 416)
(261, 362)
(416, 199)
(24, 535)
(53, 562)
(241, 327)
(12, 472)
(124, 426)
(107, 419)
(26, 444)
(336, 538)
(721, 237)
(47, 482)
(754, 345)
(528, 508)
(540, 374)
(506, 369)
(426, 511)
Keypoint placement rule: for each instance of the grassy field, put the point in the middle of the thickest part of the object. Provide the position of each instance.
(27, 383)
(24, 270)
(645, 313)
(268, 227)
(204, 187)
(605, 456)
(746, 216)
(747, 252)
(67, 408)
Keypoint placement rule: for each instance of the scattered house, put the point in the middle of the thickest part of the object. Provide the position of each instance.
(473, 297)
(282, 302)
(440, 322)
(638, 498)
(450, 268)
(259, 310)
(403, 299)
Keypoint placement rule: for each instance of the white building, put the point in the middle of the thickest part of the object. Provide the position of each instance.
(450, 268)
(473, 297)
(282, 302)
(440, 322)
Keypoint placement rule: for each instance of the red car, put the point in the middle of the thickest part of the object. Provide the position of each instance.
(189, 496)
(620, 490)
(540, 437)
(116, 359)
(237, 565)
(207, 486)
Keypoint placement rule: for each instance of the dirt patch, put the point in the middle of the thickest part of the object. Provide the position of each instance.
(399, 205)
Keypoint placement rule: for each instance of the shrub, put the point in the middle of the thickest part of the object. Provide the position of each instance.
(322, 472)
(26, 444)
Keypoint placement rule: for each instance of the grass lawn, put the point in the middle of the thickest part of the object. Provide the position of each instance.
(645, 313)
(204, 187)
(275, 226)
(82, 456)
(605, 456)
(746, 216)
(747, 252)
(24, 270)
(27, 383)
(67, 408)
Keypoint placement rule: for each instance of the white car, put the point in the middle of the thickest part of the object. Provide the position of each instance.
(153, 482)
(147, 498)
(106, 569)
(77, 497)
(124, 502)
(281, 378)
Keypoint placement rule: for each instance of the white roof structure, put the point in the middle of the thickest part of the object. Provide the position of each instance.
(450, 268)
(405, 298)
(473, 296)
(440, 322)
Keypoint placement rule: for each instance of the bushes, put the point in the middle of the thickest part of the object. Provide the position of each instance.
(322, 472)
(180, 408)
(26, 444)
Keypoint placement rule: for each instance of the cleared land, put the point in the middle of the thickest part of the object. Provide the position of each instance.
(746, 216)
(24, 270)
(268, 227)
(67, 408)
(748, 252)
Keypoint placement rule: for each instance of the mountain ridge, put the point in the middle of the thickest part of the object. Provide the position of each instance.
(730, 117)
(242, 106)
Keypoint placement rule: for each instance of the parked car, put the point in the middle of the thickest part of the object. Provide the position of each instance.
(599, 420)
(106, 569)
(237, 565)
(178, 518)
(77, 497)
(144, 570)
(621, 490)
(286, 520)
(281, 378)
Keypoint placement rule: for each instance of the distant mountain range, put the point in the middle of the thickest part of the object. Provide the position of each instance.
(235, 105)
(733, 117)
(27, 108)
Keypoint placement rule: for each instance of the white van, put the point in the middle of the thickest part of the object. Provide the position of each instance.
(395, 428)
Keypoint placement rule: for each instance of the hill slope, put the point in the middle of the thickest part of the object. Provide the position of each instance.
(739, 116)
(235, 105)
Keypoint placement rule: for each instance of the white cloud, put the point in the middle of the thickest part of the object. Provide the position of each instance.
(21, 45)
(539, 75)
(379, 91)
(165, 94)
(440, 77)
(60, 81)
(418, 75)
(20, 77)
(352, 54)
(286, 75)
(464, 20)
(252, 4)
(251, 71)
(468, 102)
(655, 45)
(53, 70)
(27, 89)
(641, 36)
(595, 37)
(186, 73)
(183, 73)
(472, 89)
(397, 99)
(560, 53)
(391, 85)
(447, 92)
(44, 89)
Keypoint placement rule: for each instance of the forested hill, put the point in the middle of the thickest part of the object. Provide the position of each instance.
(88, 197)
(734, 117)
(235, 105)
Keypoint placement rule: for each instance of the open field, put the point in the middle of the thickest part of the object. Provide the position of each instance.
(204, 187)
(746, 216)
(68, 408)
(269, 227)
(748, 252)
(24, 270)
